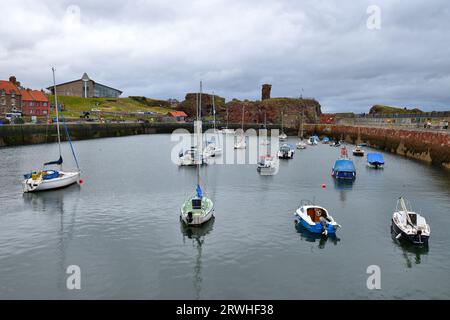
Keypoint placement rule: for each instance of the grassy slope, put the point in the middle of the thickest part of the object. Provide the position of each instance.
(74, 106)
(389, 110)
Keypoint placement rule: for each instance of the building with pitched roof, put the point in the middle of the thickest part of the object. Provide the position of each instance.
(85, 88)
(10, 96)
(34, 103)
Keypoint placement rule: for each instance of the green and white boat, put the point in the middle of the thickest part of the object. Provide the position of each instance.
(198, 209)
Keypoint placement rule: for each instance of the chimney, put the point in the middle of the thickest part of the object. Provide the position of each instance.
(13, 80)
(265, 92)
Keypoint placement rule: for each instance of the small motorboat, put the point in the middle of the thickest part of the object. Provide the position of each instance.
(212, 149)
(358, 152)
(286, 151)
(336, 143)
(301, 145)
(375, 160)
(190, 157)
(326, 140)
(409, 225)
(267, 165)
(343, 167)
(315, 218)
(312, 141)
(283, 137)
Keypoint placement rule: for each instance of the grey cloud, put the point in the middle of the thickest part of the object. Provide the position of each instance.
(163, 48)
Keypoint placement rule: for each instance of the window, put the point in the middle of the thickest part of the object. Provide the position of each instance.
(44, 112)
(31, 111)
(44, 104)
(13, 95)
(31, 103)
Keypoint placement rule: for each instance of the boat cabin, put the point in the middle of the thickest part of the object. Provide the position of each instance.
(196, 204)
(315, 213)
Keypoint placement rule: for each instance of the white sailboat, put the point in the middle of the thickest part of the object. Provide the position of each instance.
(46, 179)
(198, 209)
(226, 130)
(213, 148)
(283, 136)
(194, 155)
(241, 144)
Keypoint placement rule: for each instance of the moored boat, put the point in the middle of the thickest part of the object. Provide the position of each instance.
(286, 151)
(358, 152)
(301, 145)
(409, 225)
(267, 165)
(375, 160)
(197, 209)
(343, 167)
(46, 179)
(315, 218)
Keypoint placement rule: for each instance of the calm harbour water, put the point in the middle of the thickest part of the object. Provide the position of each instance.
(122, 228)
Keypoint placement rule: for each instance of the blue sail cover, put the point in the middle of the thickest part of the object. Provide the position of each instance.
(375, 158)
(199, 192)
(59, 161)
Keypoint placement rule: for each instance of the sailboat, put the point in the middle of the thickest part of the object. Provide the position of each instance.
(301, 144)
(409, 225)
(46, 179)
(283, 136)
(198, 209)
(226, 130)
(265, 141)
(212, 148)
(194, 155)
(241, 144)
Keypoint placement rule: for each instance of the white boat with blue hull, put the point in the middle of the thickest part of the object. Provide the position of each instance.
(409, 225)
(315, 218)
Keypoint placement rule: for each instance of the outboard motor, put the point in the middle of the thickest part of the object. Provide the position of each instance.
(189, 217)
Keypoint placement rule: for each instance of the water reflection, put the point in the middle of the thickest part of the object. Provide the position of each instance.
(322, 240)
(412, 253)
(197, 235)
(62, 206)
(343, 186)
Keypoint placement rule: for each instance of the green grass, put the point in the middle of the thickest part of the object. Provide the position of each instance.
(74, 106)
(382, 109)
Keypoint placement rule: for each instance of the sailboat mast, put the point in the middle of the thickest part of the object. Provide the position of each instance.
(214, 112)
(243, 118)
(57, 114)
(199, 127)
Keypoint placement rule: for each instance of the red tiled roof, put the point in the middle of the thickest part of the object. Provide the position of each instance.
(39, 96)
(178, 114)
(9, 87)
(33, 95)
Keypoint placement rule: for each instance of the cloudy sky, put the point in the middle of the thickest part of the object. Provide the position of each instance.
(162, 49)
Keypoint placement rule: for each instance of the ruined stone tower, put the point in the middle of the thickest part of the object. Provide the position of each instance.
(265, 92)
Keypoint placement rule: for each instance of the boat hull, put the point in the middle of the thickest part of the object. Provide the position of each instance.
(67, 179)
(199, 216)
(414, 239)
(315, 228)
(358, 154)
(375, 165)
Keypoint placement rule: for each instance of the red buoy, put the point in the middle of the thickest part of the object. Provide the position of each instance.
(81, 181)
(324, 186)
